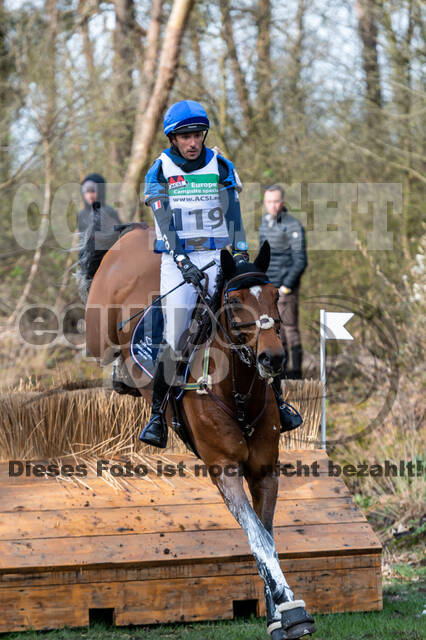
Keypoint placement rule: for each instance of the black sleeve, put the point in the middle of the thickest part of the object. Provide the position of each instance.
(299, 259)
(115, 215)
(82, 221)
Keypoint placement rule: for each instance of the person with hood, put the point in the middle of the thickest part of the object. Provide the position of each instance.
(96, 222)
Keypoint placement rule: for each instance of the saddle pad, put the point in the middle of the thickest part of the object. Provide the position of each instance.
(147, 337)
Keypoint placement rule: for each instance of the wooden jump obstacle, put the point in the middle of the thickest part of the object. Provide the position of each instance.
(158, 552)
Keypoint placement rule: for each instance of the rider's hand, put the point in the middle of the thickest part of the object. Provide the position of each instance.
(190, 272)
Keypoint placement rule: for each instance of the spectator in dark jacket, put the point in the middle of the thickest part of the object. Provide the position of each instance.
(96, 221)
(288, 261)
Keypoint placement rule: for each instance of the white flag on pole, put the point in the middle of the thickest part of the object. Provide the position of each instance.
(332, 327)
(335, 326)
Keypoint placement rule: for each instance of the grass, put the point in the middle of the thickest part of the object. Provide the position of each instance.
(400, 619)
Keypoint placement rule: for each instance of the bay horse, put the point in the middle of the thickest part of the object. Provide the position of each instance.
(246, 352)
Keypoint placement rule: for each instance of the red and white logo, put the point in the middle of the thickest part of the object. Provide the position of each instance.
(177, 181)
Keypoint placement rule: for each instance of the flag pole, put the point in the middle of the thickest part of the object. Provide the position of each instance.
(323, 375)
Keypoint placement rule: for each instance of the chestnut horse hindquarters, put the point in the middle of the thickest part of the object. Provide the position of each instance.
(128, 279)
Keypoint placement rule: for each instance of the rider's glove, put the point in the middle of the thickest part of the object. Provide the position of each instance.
(190, 272)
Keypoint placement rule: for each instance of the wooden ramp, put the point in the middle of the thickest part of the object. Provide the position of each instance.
(168, 550)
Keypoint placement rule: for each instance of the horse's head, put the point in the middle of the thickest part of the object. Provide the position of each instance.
(251, 313)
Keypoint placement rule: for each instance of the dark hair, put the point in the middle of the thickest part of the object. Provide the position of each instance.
(276, 187)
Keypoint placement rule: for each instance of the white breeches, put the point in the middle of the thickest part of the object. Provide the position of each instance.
(178, 306)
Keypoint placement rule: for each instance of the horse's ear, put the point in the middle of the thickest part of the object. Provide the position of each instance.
(264, 256)
(227, 264)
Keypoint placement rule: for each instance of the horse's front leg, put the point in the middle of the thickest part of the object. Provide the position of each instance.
(285, 619)
(260, 540)
(263, 485)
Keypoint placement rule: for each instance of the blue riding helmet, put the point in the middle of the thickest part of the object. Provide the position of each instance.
(185, 116)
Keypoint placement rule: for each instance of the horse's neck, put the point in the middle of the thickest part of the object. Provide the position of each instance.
(242, 373)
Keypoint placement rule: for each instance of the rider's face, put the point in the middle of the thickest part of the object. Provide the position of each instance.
(189, 144)
(273, 202)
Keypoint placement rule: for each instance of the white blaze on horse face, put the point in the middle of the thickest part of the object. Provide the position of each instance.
(256, 291)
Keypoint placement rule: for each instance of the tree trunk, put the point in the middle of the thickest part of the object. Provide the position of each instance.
(401, 57)
(5, 97)
(367, 29)
(124, 63)
(84, 13)
(148, 119)
(239, 79)
(263, 67)
(150, 54)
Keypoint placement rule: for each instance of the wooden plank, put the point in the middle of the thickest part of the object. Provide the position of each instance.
(179, 599)
(331, 539)
(52, 495)
(153, 519)
(184, 570)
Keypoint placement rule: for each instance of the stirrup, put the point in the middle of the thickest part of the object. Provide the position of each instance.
(290, 419)
(155, 431)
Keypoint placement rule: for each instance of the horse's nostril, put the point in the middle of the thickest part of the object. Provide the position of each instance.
(274, 362)
(265, 359)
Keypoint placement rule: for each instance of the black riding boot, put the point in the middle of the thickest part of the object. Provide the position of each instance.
(155, 432)
(296, 363)
(290, 419)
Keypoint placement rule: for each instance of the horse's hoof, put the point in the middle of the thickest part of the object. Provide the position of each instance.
(295, 621)
(299, 631)
(295, 632)
(276, 632)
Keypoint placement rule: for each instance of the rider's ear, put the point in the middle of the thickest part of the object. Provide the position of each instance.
(227, 264)
(264, 256)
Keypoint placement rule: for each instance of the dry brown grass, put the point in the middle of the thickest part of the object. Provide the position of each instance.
(392, 502)
(98, 422)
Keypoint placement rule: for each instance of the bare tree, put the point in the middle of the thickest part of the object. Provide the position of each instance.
(263, 67)
(148, 119)
(124, 64)
(239, 78)
(367, 29)
(6, 67)
(46, 122)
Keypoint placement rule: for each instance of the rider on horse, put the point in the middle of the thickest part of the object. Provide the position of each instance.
(193, 192)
